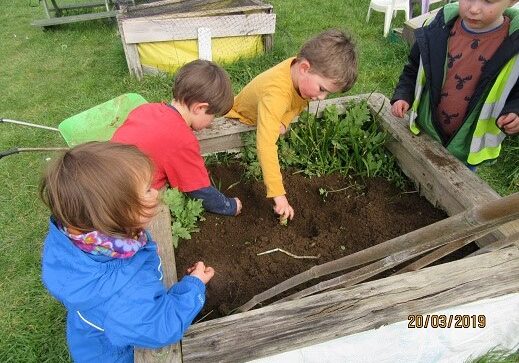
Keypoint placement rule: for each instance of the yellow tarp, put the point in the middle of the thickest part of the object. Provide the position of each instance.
(169, 56)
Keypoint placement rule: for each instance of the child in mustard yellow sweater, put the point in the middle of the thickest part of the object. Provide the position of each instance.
(325, 64)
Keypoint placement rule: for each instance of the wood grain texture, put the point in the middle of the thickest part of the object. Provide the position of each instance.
(144, 30)
(347, 311)
(130, 50)
(160, 229)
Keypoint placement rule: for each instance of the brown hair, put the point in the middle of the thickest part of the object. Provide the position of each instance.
(332, 55)
(206, 82)
(95, 186)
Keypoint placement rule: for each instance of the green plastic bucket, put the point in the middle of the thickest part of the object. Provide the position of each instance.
(100, 122)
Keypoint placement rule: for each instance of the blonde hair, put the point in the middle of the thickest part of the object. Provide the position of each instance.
(95, 186)
(332, 55)
(206, 82)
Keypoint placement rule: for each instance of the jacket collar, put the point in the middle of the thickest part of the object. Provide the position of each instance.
(81, 281)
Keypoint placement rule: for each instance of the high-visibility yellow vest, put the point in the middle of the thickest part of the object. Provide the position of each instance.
(487, 137)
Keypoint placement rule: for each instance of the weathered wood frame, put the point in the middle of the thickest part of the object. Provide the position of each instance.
(443, 180)
(247, 20)
(58, 18)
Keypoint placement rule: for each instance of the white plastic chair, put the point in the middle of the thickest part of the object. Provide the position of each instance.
(426, 3)
(389, 7)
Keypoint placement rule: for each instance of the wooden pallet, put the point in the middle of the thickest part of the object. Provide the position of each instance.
(44, 23)
(55, 13)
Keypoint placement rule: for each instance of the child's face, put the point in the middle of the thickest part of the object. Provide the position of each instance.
(312, 86)
(198, 117)
(201, 121)
(483, 14)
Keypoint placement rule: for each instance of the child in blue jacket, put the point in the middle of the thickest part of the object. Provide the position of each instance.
(100, 262)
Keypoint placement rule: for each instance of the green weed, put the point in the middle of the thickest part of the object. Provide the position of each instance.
(497, 355)
(350, 144)
(249, 157)
(185, 213)
(503, 174)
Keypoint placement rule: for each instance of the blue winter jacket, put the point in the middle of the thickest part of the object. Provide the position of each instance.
(116, 304)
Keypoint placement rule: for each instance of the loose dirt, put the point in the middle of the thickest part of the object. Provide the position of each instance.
(329, 225)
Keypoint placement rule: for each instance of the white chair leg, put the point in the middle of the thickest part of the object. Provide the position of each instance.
(367, 16)
(387, 21)
(406, 14)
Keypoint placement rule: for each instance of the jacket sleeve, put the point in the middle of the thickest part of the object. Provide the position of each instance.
(512, 102)
(406, 84)
(271, 109)
(148, 316)
(214, 201)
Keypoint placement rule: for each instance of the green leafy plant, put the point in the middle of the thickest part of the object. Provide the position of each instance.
(249, 157)
(185, 213)
(349, 144)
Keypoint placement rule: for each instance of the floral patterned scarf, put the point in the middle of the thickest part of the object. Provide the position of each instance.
(97, 243)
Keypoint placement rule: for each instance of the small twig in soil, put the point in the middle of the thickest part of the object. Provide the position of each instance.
(233, 184)
(287, 253)
(326, 191)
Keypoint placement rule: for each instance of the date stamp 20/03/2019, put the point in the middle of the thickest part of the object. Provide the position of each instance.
(446, 321)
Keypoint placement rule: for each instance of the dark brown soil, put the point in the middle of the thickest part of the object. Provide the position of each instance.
(330, 226)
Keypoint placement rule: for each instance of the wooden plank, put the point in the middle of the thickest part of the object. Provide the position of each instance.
(149, 69)
(130, 50)
(73, 18)
(144, 30)
(224, 134)
(160, 229)
(414, 23)
(154, 4)
(171, 12)
(505, 242)
(85, 5)
(312, 320)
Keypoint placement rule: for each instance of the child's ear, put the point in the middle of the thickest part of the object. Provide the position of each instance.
(199, 108)
(304, 65)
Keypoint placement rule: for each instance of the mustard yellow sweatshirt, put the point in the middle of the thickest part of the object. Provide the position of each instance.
(268, 101)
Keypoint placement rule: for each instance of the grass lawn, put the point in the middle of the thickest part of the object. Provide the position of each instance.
(48, 76)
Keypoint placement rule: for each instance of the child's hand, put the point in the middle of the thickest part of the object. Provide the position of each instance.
(399, 108)
(283, 208)
(200, 270)
(238, 206)
(509, 123)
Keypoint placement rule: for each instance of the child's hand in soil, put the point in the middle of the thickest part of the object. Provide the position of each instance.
(238, 206)
(282, 207)
(200, 270)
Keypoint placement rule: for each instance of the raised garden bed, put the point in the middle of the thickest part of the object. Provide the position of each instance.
(439, 177)
(161, 36)
(329, 224)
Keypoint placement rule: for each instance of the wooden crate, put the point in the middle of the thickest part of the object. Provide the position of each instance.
(208, 22)
(442, 179)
